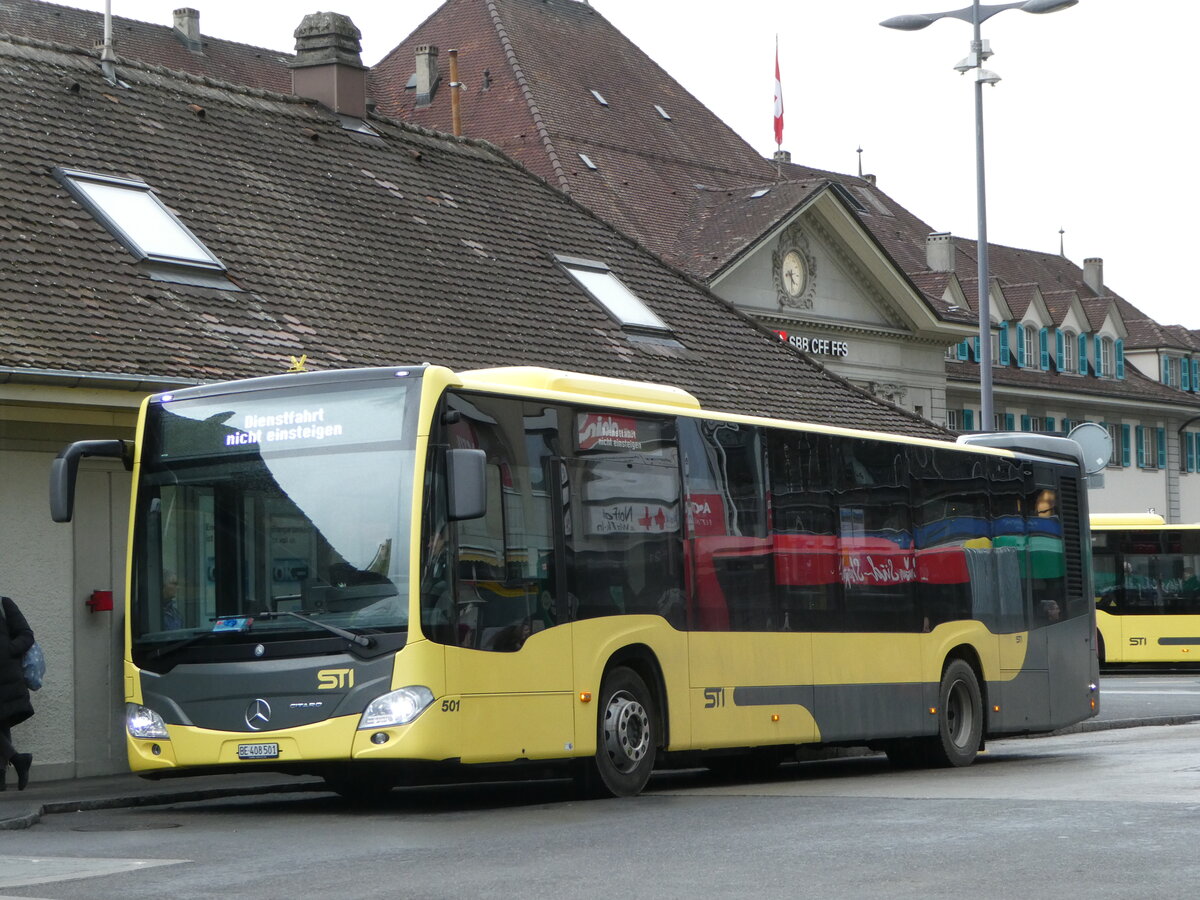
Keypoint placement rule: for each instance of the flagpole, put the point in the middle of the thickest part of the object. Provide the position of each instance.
(778, 116)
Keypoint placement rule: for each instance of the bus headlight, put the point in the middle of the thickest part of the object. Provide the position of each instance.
(397, 708)
(143, 722)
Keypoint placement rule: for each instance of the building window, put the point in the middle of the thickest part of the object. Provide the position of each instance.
(606, 289)
(1114, 434)
(1035, 423)
(1069, 363)
(1029, 346)
(1106, 363)
(952, 351)
(132, 212)
(952, 421)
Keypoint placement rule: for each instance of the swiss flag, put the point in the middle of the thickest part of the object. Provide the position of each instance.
(778, 101)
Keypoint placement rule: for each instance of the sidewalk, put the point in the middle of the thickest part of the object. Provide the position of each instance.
(23, 809)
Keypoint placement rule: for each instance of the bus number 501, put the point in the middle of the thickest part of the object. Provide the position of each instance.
(714, 697)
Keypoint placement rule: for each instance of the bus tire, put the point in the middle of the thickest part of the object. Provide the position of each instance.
(626, 737)
(960, 717)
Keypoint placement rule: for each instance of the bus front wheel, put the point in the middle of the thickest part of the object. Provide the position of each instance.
(626, 737)
(960, 717)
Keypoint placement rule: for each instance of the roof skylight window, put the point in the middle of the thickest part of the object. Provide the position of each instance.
(761, 192)
(606, 289)
(844, 192)
(135, 216)
(662, 112)
(587, 162)
(599, 99)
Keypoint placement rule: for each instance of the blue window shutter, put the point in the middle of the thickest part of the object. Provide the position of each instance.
(1044, 348)
(1119, 353)
(1020, 336)
(1010, 422)
(1066, 425)
(1185, 374)
(1098, 359)
(968, 420)
(1189, 441)
(1166, 369)
(1004, 343)
(1195, 373)
(1162, 447)
(1141, 447)
(962, 349)
(1026, 422)
(1125, 445)
(1083, 345)
(1049, 423)
(975, 342)
(1059, 349)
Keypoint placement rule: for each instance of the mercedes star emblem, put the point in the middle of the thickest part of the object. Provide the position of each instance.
(258, 714)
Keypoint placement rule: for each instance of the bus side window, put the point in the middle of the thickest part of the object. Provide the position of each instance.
(731, 565)
(804, 531)
(502, 590)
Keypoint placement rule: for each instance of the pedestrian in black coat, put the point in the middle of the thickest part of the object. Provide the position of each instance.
(16, 637)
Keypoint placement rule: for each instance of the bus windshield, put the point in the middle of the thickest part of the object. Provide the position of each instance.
(267, 516)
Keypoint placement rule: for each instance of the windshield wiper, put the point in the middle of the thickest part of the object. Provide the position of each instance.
(360, 639)
(179, 645)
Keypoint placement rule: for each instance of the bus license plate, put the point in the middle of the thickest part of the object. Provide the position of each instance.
(258, 751)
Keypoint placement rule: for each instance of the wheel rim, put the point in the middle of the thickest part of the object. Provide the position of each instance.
(626, 731)
(959, 714)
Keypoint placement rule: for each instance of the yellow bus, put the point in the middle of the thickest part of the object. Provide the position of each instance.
(377, 574)
(1147, 590)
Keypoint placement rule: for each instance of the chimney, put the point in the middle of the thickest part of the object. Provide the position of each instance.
(328, 67)
(187, 28)
(427, 73)
(1093, 274)
(939, 252)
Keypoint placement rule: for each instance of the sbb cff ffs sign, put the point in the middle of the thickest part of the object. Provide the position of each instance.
(820, 346)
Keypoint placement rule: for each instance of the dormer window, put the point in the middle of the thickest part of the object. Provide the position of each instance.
(1029, 346)
(611, 293)
(1106, 363)
(1069, 361)
(136, 217)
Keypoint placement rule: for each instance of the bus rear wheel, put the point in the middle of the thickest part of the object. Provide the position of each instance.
(960, 717)
(626, 737)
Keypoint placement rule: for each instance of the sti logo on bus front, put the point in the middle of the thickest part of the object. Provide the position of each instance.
(332, 679)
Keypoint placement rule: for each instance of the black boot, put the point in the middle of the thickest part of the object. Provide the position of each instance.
(21, 763)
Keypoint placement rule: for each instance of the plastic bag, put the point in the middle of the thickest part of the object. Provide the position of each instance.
(33, 666)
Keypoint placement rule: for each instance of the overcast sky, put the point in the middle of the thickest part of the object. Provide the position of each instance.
(1091, 130)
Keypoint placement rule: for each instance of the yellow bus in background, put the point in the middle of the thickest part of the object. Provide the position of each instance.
(376, 575)
(1147, 589)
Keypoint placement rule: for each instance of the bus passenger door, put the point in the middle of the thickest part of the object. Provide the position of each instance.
(508, 658)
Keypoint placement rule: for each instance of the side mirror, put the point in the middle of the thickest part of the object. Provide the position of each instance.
(468, 483)
(65, 469)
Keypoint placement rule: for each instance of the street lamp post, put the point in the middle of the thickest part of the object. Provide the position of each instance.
(977, 14)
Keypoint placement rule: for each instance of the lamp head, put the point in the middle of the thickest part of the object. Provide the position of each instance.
(1046, 6)
(914, 22)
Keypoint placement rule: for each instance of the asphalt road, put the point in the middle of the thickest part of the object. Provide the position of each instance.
(1108, 814)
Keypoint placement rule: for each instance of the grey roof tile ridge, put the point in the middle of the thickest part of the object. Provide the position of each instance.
(136, 64)
(527, 92)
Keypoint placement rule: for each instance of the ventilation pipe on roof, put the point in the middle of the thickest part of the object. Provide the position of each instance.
(1093, 274)
(187, 28)
(455, 87)
(427, 73)
(939, 252)
(108, 59)
(328, 67)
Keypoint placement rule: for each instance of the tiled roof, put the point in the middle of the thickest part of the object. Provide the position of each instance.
(351, 250)
(543, 59)
(158, 45)
(1134, 387)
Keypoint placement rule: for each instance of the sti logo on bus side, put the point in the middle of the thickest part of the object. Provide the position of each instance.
(332, 679)
(1137, 642)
